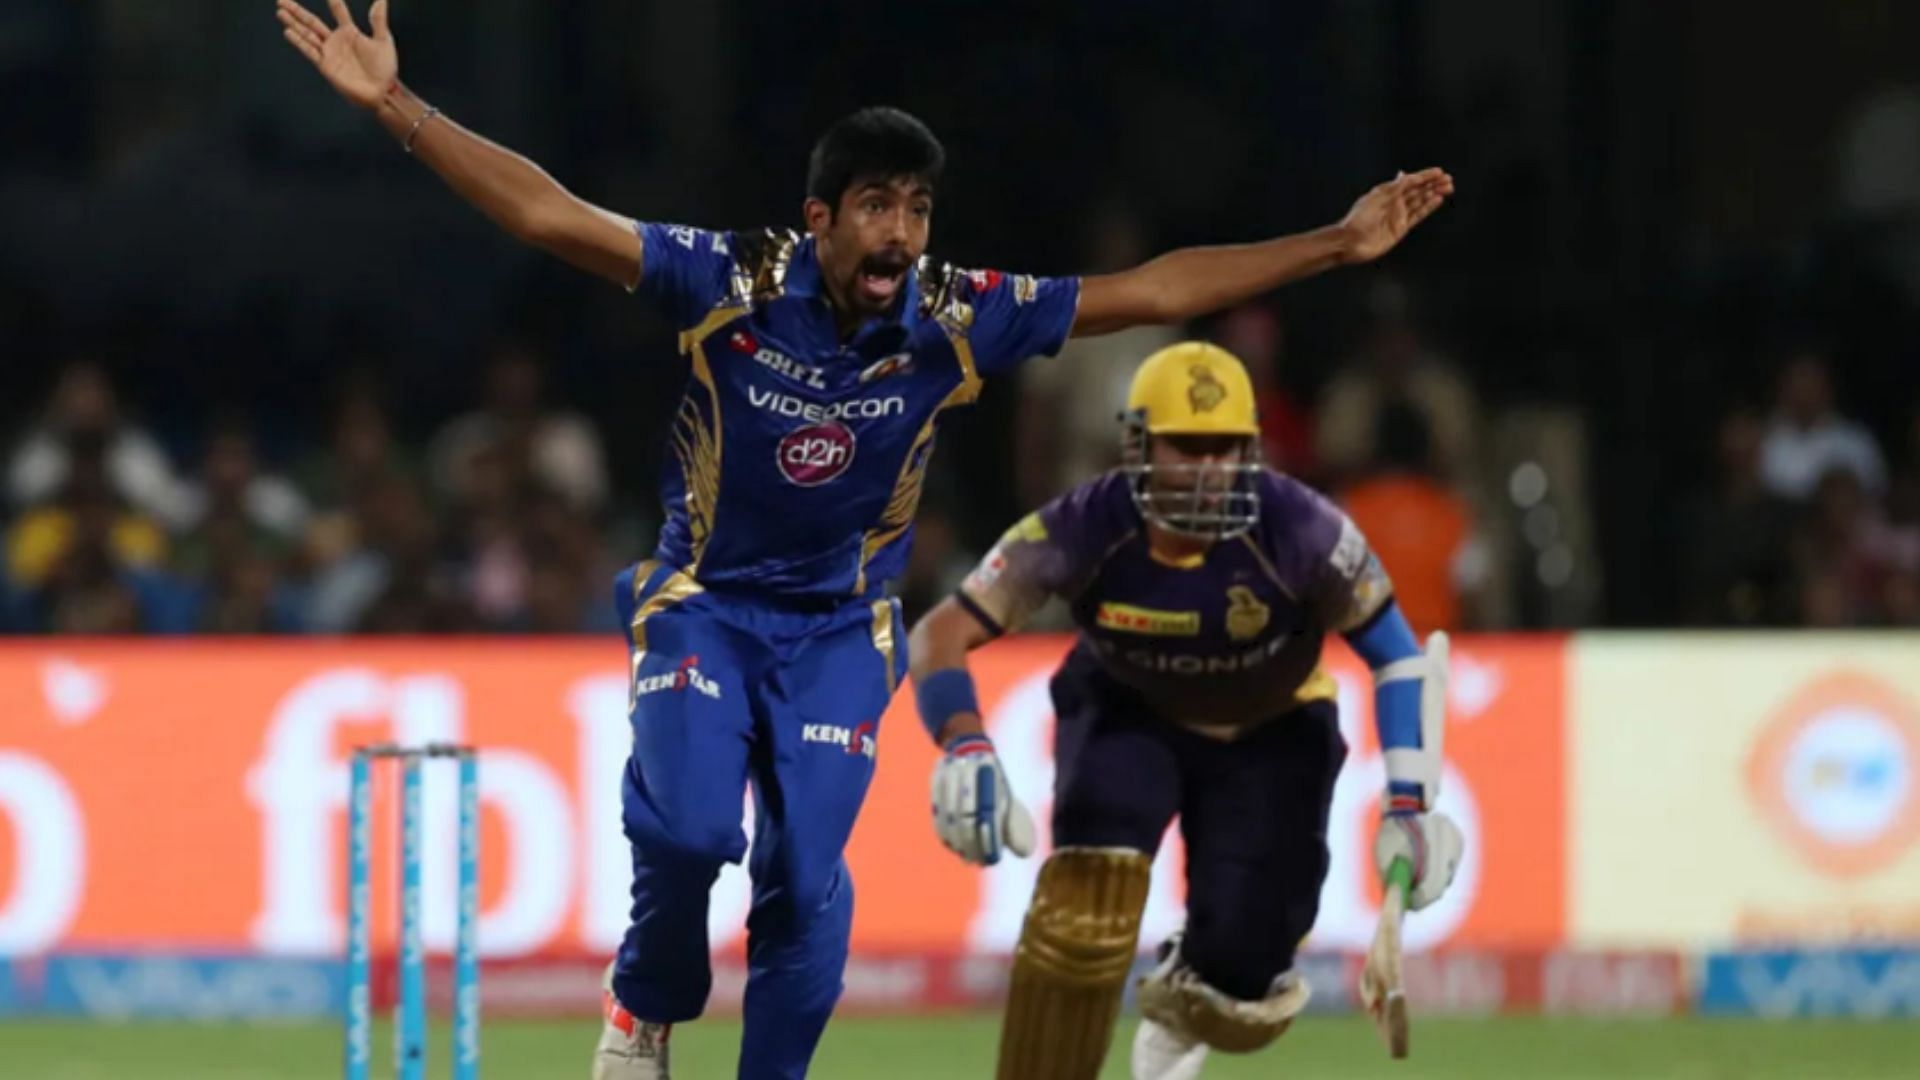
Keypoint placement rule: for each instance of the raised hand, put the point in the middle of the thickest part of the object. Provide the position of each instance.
(361, 66)
(1383, 217)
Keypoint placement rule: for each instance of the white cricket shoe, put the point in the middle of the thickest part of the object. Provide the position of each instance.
(1159, 1054)
(630, 1048)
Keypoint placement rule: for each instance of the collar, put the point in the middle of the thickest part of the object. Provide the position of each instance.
(889, 330)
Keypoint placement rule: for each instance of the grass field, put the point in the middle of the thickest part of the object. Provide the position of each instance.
(962, 1047)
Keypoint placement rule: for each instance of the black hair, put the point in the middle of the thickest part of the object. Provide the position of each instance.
(876, 143)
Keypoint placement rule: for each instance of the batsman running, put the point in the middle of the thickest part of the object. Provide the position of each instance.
(763, 643)
(1202, 584)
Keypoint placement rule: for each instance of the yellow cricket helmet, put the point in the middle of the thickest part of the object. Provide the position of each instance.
(1193, 388)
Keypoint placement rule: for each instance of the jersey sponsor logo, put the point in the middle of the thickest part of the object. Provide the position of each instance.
(746, 344)
(1026, 288)
(812, 455)
(897, 364)
(872, 408)
(1372, 591)
(854, 740)
(985, 281)
(1128, 619)
(1246, 615)
(1349, 553)
(687, 676)
(987, 574)
(1225, 662)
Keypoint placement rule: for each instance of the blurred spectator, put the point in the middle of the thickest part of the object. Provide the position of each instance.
(389, 579)
(1808, 437)
(1909, 459)
(87, 564)
(1825, 603)
(1422, 531)
(568, 570)
(83, 406)
(532, 562)
(1837, 553)
(1068, 425)
(1256, 334)
(234, 510)
(1894, 539)
(87, 509)
(1900, 599)
(1394, 362)
(361, 452)
(246, 595)
(561, 449)
(488, 534)
(1737, 539)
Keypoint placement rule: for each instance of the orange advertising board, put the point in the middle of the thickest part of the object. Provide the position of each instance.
(192, 795)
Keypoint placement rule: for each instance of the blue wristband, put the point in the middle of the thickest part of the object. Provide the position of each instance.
(943, 695)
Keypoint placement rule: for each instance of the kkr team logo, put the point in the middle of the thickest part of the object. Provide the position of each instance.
(685, 677)
(854, 740)
(1205, 393)
(1246, 615)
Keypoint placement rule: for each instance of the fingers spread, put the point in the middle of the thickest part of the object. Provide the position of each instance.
(292, 14)
(300, 35)
(341, 16)
(305, 47)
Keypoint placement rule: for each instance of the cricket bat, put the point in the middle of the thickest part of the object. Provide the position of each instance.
(1383, 988)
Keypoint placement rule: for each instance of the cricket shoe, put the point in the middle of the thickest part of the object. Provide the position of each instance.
(630, 1048)
(1160, 1054)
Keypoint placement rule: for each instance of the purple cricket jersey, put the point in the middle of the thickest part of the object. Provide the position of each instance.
(1228, 641)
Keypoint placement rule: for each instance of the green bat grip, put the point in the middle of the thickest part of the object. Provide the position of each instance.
(1400, 876)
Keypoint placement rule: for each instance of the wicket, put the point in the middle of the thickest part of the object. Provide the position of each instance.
(410, 1006)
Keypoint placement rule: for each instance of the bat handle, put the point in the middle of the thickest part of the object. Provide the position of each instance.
(1400, 877)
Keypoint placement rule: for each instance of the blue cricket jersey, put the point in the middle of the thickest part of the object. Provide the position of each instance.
(798, 458)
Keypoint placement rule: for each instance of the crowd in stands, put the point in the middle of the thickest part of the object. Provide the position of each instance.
(502, 519)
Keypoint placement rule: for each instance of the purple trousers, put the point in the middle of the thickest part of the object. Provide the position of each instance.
(1253, 813)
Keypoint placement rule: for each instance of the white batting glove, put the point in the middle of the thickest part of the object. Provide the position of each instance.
(974, 811)
(1432, 845)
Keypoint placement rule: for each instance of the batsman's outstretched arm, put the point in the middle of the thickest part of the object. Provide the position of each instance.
(516, 194)
(1191, 282)
(976, 813)
(939, 642)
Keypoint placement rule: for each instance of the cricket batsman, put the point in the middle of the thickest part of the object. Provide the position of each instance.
(1202, 584)
(763, 643)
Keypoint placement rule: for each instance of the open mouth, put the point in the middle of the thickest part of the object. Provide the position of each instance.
(881, 275)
